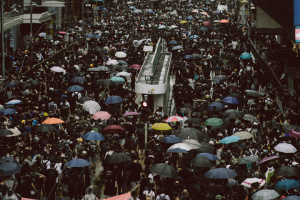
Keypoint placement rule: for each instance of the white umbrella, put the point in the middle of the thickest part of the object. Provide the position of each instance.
(129, 2)
(244, 135)
(123, 74)
(91, 106)
(13, 102)
(42, 34)
(120, 54)
(285, 148)
(265, 195)
(174, 26)
(179, 148)
(15, 131)
(98, 32)
(194, 144)
(58, 69)
(248, 181)
(112, 62)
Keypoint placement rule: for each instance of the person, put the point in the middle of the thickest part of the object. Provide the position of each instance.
(135, 170)
(10, 195)
(162, 195)
(89, 194)
(134, 196)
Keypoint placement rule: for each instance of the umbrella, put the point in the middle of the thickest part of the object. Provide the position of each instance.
(12, 84)
(98, 69)
(206, 23)
(183, 22)
(75, 88)
(78, 163)
(117, 78)
(236, 95)
(150, 11)
(9, 168)
(193, 121)
(213, 122)
(285, 148)
(91, 106)
(230, 100)
(57, 69)
(78, 79)
(194, 36)
(224, 21)
(123, 74)
(122, 62)
(53, 121)
(294, 133)
(244, 135)
(219, 78)
(120, 54)
(248, 159)
(13, 102)
(42, 34)
(267, 159)
(201, 162)
(194, 144)
(103, 115)
(161, 126)
(205, 148)
(188, 57)
(250, 118)
(44, 128)
(265, 195)
(15, 131)
(161, 27)
(230, 139)
(171, 139)
(286, 184)
(5, 132)
(203, 29)
(131, 114)
(136, 11)
(62, 32)
(292, 197)
(164, 170)
(95, 136)
(173, 42)
(248, 181)
(287, 171)
(217, 105)
(190, 18)
(111, 129)
(89, 35)
(179, 148)
(8, 160)
(136, 66)
(192, 133)
(220, 173)
(208, 155)
(245, 56)
(84, 99)
(177, 47)
(113, 100)
(252, 93)
(112, 62)
(232, 113)
(122, 196)
(117, 158)
(174, 119)
(7, 111)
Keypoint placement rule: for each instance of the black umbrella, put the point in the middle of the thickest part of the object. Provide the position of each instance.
(205, 148)
(220, 173)
(84, 99)
(78, 80)
(287, 171)
(164, 170)
(201, 162)
(8, 159)
(192, 133)
(232, 113)
(248, 159)
(193, 121)
(5, 132)
(236, 95)
(44, 128)
(75, 88)
(117, 158)
(9, 168)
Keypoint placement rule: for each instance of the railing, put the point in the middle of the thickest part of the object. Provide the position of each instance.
(156, 55)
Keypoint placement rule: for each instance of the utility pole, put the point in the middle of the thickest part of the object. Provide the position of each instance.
(30, 34)
(2, 41)
(82, 18)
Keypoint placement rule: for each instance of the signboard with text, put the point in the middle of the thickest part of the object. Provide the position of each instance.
(297, 34)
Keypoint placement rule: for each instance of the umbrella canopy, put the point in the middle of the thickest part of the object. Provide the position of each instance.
(44, 128)
(12, 84)
(7, 111)
(206, 23)
(117, 78)
(131, 114)
(177, 48)
(267, 159)
(248, 181)
(75, 88)
(120, 54)
(112, 62)
(173, 42)
(112, 129)
(201, 162)
(250, 118)
(232, 113)
(192, 133)
(253, 93)
(193, 121)
(95, 136)
(98, 69)
(174, 119)
(136, 66)
(164, 170)
(292, 197)
(8, 159)
(117, 158)
(9, 168)
(53, 121)
(161, 126)
(78, 163)
(245, 56)
(183, 22)
(208, 155)
(5, 132)
(13, 102)
(230, 100)
(294, 134)
(230, 139)
(123, 74)
(189, 57)
(213, 122)
(113, 100)
(286, 184)
(224, 21)
(103, 115)
(91, 106)
(265, 195)
(171, 139)
(15, 131)
(136, 11)
(287, 171)
(216, 105)
(285, 148)
(84, 99)
(248, 159)
(122, 196)
(244, 135)
(205, 148)
(179, 148)
(58, 69)
(220, 173)
(78, 80)
(219, 78)
(194, 144)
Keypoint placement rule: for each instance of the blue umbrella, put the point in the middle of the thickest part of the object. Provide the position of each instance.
(7, 111)
(286, 184)
(189, 57)
(12, 84)
(78, 163)
(89, 35)
(113, 100)
(218, 67)
(95, 136)
(75, 88)
(162, 27)
(293, 197)
(78, 79)
(220, 173)
(173, 42)
(177, 47)
(194, 36)
(150, 11)
(97, 36)
(245, 55)
(230, 100)
(190, 18)
(208, 155)
(131, 7)
(136, 11)
(230, 139)
(9, 168)
(13, 102)
(122, 62)
(218, 105)
(171, 139)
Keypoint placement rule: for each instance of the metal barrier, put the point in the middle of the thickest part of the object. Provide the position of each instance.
(156, 55)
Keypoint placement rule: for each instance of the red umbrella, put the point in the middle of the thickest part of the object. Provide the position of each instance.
(206, 23)
(113, 129)
(131, 114)
(101, 115)
(295, 134)
(224, 21)
(267, 159)
(62, 32)
(136, 66)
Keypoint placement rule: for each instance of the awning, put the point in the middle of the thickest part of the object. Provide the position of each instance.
(10, 22)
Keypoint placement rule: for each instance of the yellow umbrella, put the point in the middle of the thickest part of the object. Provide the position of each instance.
(161, 126)
(183, 22)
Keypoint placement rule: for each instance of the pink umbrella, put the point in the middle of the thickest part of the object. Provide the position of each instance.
(267, 159)
(224, 21)
(101, 115)
(125, 196)
(206, 23)
(174, 119)
(131, 114)
(62, 32)
(295, 134)
(136, 66)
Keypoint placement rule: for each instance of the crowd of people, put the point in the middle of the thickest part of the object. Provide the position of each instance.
(215, 78)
